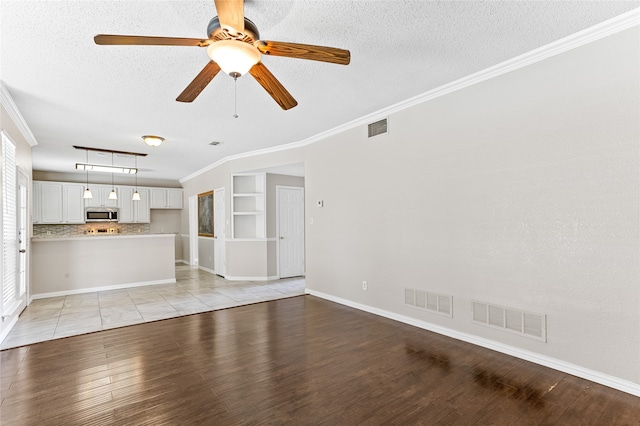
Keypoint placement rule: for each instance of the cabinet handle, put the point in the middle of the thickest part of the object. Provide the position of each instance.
(22, 251)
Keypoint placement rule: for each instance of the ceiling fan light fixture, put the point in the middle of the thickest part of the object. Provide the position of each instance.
(152, 140)
(233, 56)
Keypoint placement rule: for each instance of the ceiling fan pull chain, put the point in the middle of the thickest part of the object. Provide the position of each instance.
(235, 97)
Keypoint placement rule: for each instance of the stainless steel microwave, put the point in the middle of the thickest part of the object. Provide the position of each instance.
(95, 214)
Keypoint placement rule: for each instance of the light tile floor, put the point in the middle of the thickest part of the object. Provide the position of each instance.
(194, 291)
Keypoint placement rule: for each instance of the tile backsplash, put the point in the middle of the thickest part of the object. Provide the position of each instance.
(98, 228)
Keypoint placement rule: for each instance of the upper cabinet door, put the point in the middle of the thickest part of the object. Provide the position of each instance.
(166, 198)
(51, 202)
(174, 198)
(141, 207)
(158, 198)
(101, 197)
(72, 203)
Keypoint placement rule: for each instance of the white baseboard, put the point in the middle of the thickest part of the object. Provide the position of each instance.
(211, 271)
(557, 364)
(103, 288)
(232, 278)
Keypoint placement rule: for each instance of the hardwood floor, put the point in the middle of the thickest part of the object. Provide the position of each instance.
(301, 360)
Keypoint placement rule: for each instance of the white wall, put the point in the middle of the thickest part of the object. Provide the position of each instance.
(522, 191)
(168, 222)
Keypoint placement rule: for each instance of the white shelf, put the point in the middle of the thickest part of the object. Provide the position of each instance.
(248, 206)
(249, 194)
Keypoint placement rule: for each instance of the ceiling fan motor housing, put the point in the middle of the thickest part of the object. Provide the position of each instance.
(216, 32)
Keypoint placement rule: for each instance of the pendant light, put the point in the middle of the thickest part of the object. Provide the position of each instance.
(87, 192)
(136, 195)
(112, 194)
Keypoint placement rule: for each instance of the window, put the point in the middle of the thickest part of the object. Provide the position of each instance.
(9, 225)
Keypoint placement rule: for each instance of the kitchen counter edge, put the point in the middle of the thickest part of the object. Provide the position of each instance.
(99, 237)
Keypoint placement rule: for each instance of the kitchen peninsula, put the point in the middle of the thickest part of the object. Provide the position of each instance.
(94, 263)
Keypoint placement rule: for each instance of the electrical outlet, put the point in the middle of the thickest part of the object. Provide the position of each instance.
(365, 286)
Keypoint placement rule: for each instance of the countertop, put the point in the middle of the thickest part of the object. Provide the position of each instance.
(101, 237)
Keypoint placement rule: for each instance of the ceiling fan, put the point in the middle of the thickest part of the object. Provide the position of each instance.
(234, 46)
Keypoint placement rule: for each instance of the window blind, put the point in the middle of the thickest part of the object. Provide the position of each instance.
(9, 229)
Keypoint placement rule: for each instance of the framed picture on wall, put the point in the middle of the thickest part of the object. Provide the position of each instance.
(205, 214)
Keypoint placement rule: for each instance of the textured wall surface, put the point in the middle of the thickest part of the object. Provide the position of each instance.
(521, 191)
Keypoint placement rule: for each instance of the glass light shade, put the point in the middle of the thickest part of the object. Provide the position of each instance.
(87, 193)
(153, 140)
(234, 56)
(113, 195)
(136, 196)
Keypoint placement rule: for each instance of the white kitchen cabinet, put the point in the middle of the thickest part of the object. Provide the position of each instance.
(133, 211)
(101, 197)
(36, 212)
(51, 202)
(142, 207)
(58, 202)
(166, 198)
(72, 203)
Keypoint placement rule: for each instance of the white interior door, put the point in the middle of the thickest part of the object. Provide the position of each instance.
(219, 232)
(290, 229)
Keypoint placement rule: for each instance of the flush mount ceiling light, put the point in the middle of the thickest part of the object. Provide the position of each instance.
(152, 140)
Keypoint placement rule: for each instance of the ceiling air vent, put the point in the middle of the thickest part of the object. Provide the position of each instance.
(525, 323)
(378, 128)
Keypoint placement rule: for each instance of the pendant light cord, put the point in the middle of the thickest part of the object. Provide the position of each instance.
(112, 187)
(87, 169)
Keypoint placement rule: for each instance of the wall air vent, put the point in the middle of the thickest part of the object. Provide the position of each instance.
(378, 128)
(427, 301)
(524, 323)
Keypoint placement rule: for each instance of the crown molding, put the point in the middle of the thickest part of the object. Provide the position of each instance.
(604, 29)
(12, 109)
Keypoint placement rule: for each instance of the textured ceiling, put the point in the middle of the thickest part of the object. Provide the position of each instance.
(72, 92)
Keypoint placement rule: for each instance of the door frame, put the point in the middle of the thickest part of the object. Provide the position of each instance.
(23, 177)
(304, 234)
(217, 242)
(193, 230)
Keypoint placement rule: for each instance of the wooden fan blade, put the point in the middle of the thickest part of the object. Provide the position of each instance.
(272, 86)
(231, 13)
(304, 51)
(199, 83)
(110, 39)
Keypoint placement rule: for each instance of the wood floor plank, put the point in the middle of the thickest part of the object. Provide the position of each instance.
(301, 360)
